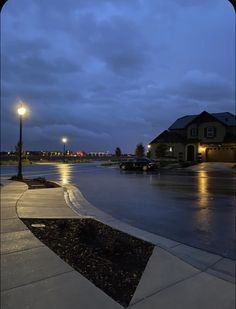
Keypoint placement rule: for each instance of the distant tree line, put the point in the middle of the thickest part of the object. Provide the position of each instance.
(118, 152)
(139, 151)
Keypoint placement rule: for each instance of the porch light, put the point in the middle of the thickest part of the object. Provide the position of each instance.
(201, 149)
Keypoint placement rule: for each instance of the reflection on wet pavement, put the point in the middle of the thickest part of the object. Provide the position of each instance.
(203, 188)
(195, 208)
(64, 171)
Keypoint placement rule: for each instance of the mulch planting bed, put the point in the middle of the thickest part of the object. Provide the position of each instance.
(37, 183)
(112, 260)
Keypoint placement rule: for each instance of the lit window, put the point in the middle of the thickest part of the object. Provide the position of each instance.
(170, 150)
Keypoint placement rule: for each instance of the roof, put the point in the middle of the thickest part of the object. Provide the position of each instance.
(168, 137)
(226, 118)
(182, 122)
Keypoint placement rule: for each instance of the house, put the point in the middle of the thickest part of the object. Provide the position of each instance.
(203, 137)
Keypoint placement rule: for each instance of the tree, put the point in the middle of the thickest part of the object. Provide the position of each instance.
(161, 150)
(140, 150)
(23, 153)
(118, 152)
(17, 150)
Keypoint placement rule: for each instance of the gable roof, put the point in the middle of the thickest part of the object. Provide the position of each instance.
(182, 122)
(168, 137)
(226, 118)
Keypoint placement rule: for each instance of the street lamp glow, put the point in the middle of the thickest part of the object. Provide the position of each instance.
(64, 141)
(148, 146)
(21, 110)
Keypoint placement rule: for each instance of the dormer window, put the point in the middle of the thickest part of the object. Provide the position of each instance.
(210, 132)
(194, 132)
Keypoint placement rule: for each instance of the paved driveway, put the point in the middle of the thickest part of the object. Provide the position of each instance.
(212, 167)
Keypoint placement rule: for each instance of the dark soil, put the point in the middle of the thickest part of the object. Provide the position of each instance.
(37, 183)
(112, 260)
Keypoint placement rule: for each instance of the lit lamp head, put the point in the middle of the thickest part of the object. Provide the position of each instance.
(21, 110)
(149, 147)
(64, 140)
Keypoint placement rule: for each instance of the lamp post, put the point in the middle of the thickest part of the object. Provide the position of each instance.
(64, 141)
(21, 112)
(149, 151)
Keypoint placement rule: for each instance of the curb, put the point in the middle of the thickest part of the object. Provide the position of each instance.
(216, 265)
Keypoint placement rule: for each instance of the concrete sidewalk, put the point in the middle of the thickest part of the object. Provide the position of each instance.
(32, 276)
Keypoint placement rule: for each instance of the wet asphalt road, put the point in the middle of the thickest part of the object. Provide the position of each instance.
(197, 209)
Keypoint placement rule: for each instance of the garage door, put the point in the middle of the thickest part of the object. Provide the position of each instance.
(223, 154)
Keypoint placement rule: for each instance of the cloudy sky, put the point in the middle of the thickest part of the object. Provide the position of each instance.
(108, 73)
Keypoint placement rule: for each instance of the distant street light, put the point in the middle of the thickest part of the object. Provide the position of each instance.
(21, 112)
(64, 141)
(149, 151)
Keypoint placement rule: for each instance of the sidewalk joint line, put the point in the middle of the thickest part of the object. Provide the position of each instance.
(193, 263)
(14, 231)
(167, 287)
(179, 244)
(23, 250)
(43, 245)
(215, 263)
(36, 281)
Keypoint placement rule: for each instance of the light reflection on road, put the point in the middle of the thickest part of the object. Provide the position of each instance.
(203, 192)
(64, 171)
(196, 208)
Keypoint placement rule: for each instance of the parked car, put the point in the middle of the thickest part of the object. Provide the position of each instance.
(143, 164)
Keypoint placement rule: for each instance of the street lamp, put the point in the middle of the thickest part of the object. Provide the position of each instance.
(21, 112)
(149, 151)
(64, 141)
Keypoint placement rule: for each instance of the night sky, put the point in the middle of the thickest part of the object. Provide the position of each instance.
(108, 73)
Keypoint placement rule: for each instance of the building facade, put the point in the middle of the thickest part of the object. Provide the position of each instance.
(203, 137)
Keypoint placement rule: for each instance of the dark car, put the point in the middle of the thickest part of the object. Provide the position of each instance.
(143, 164)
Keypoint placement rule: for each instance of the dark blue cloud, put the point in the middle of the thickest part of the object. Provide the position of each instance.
(106, 73)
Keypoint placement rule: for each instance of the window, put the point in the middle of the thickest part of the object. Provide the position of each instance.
(210, 132)
(194, 132)
(170, 150)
